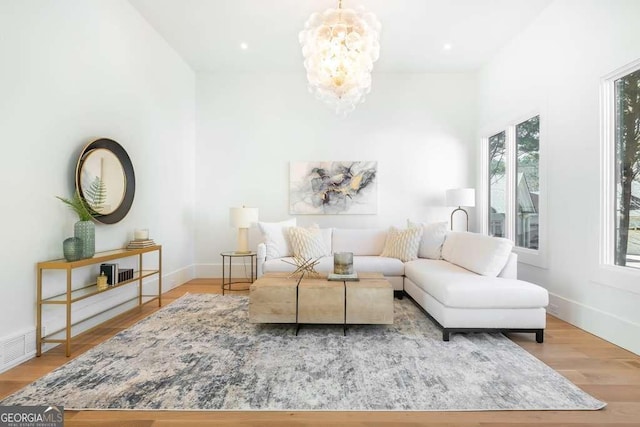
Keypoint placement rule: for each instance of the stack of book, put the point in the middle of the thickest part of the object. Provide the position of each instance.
(140, 244)
(111, 271)
(333, 277)
(125, 274)
(115, 274)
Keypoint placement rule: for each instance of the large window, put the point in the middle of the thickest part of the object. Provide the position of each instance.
(513, 183)
(627, 170)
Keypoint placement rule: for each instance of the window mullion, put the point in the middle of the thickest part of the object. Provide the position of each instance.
(485, 188)
(608, 179)
(510, 143)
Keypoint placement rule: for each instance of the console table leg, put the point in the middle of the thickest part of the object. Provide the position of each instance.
(68, 343)
(140, 281)
(39, 316)
(160, 277)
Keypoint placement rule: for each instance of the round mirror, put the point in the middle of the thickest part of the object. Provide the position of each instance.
(105, 180)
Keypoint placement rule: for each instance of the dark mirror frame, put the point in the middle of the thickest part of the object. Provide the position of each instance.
(129, 176)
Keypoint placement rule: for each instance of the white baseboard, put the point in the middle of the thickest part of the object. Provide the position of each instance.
(214, 270)
(20, 347)
(178, 277)
(607, 326)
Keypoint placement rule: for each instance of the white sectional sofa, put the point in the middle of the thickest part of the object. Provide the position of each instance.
(465, 282)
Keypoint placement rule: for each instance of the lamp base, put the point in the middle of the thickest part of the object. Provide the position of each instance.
(466, 214)
(243, 241)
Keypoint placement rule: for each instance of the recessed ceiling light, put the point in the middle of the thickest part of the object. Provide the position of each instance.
(244, 46)
(447, 46)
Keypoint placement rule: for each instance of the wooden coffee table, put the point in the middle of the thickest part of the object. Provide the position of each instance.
(369, 301)
(278, 298)
(273, 298)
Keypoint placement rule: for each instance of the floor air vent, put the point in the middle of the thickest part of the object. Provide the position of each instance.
(13, 349)
(17, 349)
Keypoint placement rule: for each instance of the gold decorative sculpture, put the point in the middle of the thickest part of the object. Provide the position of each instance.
(304, 266)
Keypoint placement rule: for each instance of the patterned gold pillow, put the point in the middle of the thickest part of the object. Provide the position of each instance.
(402, 244)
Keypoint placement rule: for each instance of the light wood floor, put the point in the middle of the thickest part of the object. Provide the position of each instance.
(605, 371)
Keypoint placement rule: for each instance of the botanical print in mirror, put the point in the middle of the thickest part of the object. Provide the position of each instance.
(333, 187)
(103, 165)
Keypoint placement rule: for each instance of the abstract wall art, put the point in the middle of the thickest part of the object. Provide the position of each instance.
(333, 187)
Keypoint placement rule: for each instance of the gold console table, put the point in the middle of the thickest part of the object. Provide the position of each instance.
(72, 295)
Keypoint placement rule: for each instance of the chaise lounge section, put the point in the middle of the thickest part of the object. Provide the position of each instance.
(474, 287)
(462, 301)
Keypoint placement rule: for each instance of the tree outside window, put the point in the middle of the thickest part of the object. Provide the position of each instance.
(527, 182)
(497, 185)
(627, 146)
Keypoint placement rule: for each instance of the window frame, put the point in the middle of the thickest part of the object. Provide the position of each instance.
(608, 273)
(535, 257)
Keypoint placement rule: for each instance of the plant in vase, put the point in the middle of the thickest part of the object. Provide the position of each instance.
(84, 230)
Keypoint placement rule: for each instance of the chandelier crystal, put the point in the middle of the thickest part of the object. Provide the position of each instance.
(339, 48)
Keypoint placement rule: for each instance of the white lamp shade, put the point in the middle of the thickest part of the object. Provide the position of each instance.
(242, 217)
(461, 197)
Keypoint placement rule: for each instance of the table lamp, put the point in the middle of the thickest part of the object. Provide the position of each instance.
(242, 218)
(461, 197)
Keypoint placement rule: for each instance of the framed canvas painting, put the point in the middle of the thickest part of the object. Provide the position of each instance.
(333, 187)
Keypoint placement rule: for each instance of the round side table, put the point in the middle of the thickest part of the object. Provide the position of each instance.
(226, 265)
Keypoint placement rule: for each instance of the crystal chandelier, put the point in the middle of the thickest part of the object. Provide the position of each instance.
(339, 48)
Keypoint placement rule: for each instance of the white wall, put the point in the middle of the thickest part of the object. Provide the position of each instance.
(72, 71)
(555, 67)
(419, 127)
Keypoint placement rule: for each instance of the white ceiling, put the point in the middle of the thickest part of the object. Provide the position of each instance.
(208, 33)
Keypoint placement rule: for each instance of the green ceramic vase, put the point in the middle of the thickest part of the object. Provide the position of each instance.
(86, 232)
(72, 249)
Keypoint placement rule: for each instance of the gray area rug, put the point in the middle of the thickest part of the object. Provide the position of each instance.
(200, 353)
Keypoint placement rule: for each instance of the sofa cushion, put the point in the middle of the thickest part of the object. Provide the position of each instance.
(433, 235)
(378, 264)
(370, 264)
(481, 254)
(402, 244)
(454, 286)
(307, 242)
(276, 237)
(327, 237)
(360, 241)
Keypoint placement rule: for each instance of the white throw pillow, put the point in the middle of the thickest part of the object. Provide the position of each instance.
(308, 242)
(433, 236)
(276, 237)
(402, 244)
(481, 254)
